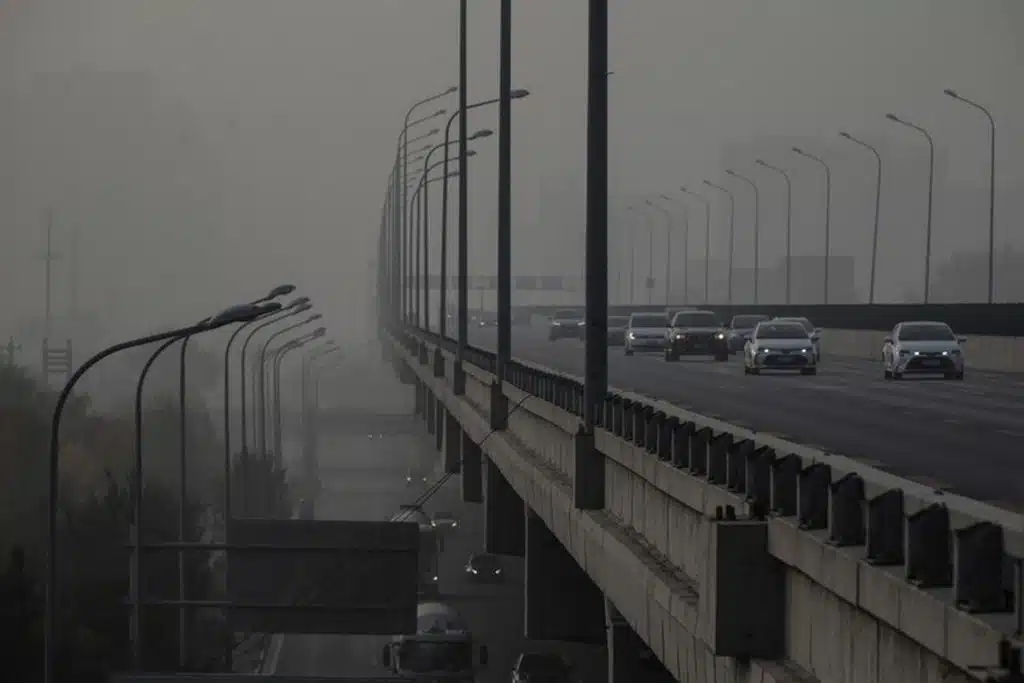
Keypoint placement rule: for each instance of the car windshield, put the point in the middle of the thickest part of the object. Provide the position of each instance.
(648, 321)
(484, 562)
(542, 663)
(803, 322)
(617, 321)
(426, 656)
(781, 331)
(746, 322)
(926, 332)
(567, 315)
(696, 319)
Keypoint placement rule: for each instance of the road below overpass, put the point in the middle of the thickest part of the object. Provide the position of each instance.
(364, 478)
(966, 437)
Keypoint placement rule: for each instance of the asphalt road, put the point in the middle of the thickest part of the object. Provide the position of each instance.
(966, 437)
(364, 479)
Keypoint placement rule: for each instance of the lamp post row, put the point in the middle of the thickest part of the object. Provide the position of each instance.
(826, 167)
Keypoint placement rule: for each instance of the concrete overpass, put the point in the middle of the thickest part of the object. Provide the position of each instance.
(734, 555)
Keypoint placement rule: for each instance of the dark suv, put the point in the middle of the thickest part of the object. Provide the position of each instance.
(566, 324)
(696, 332)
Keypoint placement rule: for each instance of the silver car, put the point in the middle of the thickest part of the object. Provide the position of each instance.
(923, 347)
(812, 331)
(778, 345)
(646, 332)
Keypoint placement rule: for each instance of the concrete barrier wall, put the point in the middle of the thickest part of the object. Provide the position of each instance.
(845, 617)
(994, 354)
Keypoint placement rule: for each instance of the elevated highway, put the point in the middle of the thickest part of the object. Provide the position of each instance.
(735, 553)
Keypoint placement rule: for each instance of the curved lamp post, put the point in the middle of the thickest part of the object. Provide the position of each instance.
(707, 239)
(228, 317)
(686, 246)
(668, 246)
(878, 207)
(732, 234)
(261, 379)
(483, 133)
(931, 194)
(991, 186)
(828, 210)
(757, 228)
(789, 224)
(278, 358)
(463, 240)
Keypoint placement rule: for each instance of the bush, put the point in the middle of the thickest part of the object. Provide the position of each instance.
(96, 512)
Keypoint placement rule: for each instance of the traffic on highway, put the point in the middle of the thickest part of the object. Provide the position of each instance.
(958, 436)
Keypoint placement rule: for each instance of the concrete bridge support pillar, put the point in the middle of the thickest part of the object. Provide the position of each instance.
(562, 603)
(625, 647)
(504, 510)
(420, 402)
(453, 438)
(472, 471)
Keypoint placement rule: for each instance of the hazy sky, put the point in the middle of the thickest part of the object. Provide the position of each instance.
(228, 145)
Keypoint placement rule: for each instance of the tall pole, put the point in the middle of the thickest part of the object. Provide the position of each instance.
(182, 499)
(459, 383)
(425, 200)
(504, 190)
(878, 209)
(757, 229)
(732, 235)
(707, 240)
(416, 278)
(590, 492)
(649, 284)
(789, 225)
(931, 194)
(828, 211)
(991, 189)
(686, 245)
(668, 246)
(632, 264)
(48, 258)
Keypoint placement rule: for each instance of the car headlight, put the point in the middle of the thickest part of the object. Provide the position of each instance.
(497, 571)
(581, 323)
(804, 350)
(631, 335)
(720, 335)
(473, 571)
(435, 578)
(680, 336)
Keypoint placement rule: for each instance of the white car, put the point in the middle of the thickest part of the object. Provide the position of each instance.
(778, 345)
(444, 520)
(923, 347)
(646, 332)
(812, 331)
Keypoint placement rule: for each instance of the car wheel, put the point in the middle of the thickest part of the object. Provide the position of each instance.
(670, 357)
(888, 373)
(897, 375)
(746, 369)
(808, 371)
(629, 352)
(722, 356)
(960, 375)
(755, 371)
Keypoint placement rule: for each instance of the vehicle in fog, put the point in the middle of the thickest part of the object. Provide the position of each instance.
(431, 547)
(646, 332)
(442, 650)
(923, 347)
(617, 325)
(739, 329)
(415, 477)
(487, 320)
(696, 332)
(484, 568)
(444, 520)
(541, 667)
(567, 323)
(813, 332)
(778, 345)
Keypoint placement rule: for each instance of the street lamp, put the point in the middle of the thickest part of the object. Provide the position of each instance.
(707, 205)
(632, 262)
(757, 229)
(299, 305)
(931, 191)
(277, 358)
(668, 246)
(828, 210)
(686, 246)
(261, 364)
(649, 283)
(789, 224)
(732, 234)
(483, 133)
(878, 208)
(228, 317)
(463, 231)
(991, 187)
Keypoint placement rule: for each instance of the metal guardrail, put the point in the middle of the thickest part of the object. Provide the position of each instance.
(942, 540)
